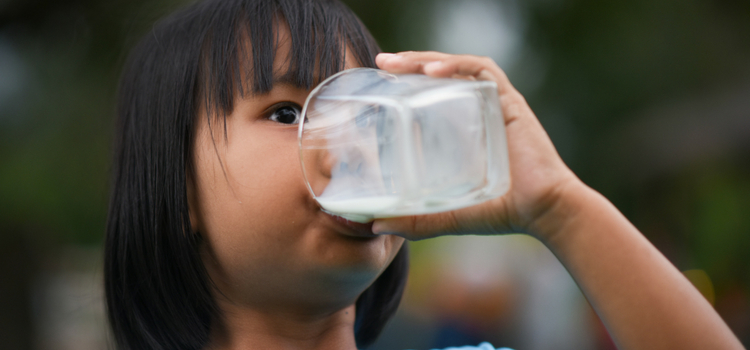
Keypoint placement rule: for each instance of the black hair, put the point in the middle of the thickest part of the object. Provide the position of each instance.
(158, 292)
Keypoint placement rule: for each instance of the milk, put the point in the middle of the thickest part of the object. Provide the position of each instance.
(359, 209)
(367, 206)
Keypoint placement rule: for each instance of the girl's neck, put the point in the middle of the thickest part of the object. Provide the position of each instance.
(245, 329)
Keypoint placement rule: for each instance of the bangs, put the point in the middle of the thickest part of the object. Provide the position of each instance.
(242, 40)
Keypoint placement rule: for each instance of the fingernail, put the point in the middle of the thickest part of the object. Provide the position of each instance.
(381, 228)
(485, 75)
(382, 57)
(432, 66)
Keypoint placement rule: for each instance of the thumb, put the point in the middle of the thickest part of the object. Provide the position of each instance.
(417, 227)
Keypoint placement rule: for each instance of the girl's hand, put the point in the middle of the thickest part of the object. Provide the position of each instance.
(539, 178)
(643, 300)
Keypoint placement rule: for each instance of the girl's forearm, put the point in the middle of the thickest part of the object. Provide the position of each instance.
(643, 300)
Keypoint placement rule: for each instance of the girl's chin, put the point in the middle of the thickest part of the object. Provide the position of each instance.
(358, 254)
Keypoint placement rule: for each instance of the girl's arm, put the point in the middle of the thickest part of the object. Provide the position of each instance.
(644, 301)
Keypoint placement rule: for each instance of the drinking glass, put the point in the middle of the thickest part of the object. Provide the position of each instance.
(374, 144)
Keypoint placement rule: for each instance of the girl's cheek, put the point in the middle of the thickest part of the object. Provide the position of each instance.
(269, 162)
(265, 167)
(257, 203)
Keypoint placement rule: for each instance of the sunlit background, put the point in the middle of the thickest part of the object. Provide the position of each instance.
(648, 101)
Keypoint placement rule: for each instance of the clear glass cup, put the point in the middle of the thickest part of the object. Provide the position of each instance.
(374, 144)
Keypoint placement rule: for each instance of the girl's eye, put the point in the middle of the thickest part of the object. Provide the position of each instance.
(286, 114)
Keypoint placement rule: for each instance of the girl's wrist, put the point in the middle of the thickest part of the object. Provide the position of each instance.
(567, 208)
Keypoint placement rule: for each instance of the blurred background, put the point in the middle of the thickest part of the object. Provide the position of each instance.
(648, 101)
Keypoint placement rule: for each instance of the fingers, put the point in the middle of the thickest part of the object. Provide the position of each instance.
(417, 227)
(437, 64)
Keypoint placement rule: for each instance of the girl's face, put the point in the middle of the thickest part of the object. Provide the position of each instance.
(267, 243)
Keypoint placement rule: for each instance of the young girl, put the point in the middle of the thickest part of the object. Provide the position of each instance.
(213, 241)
